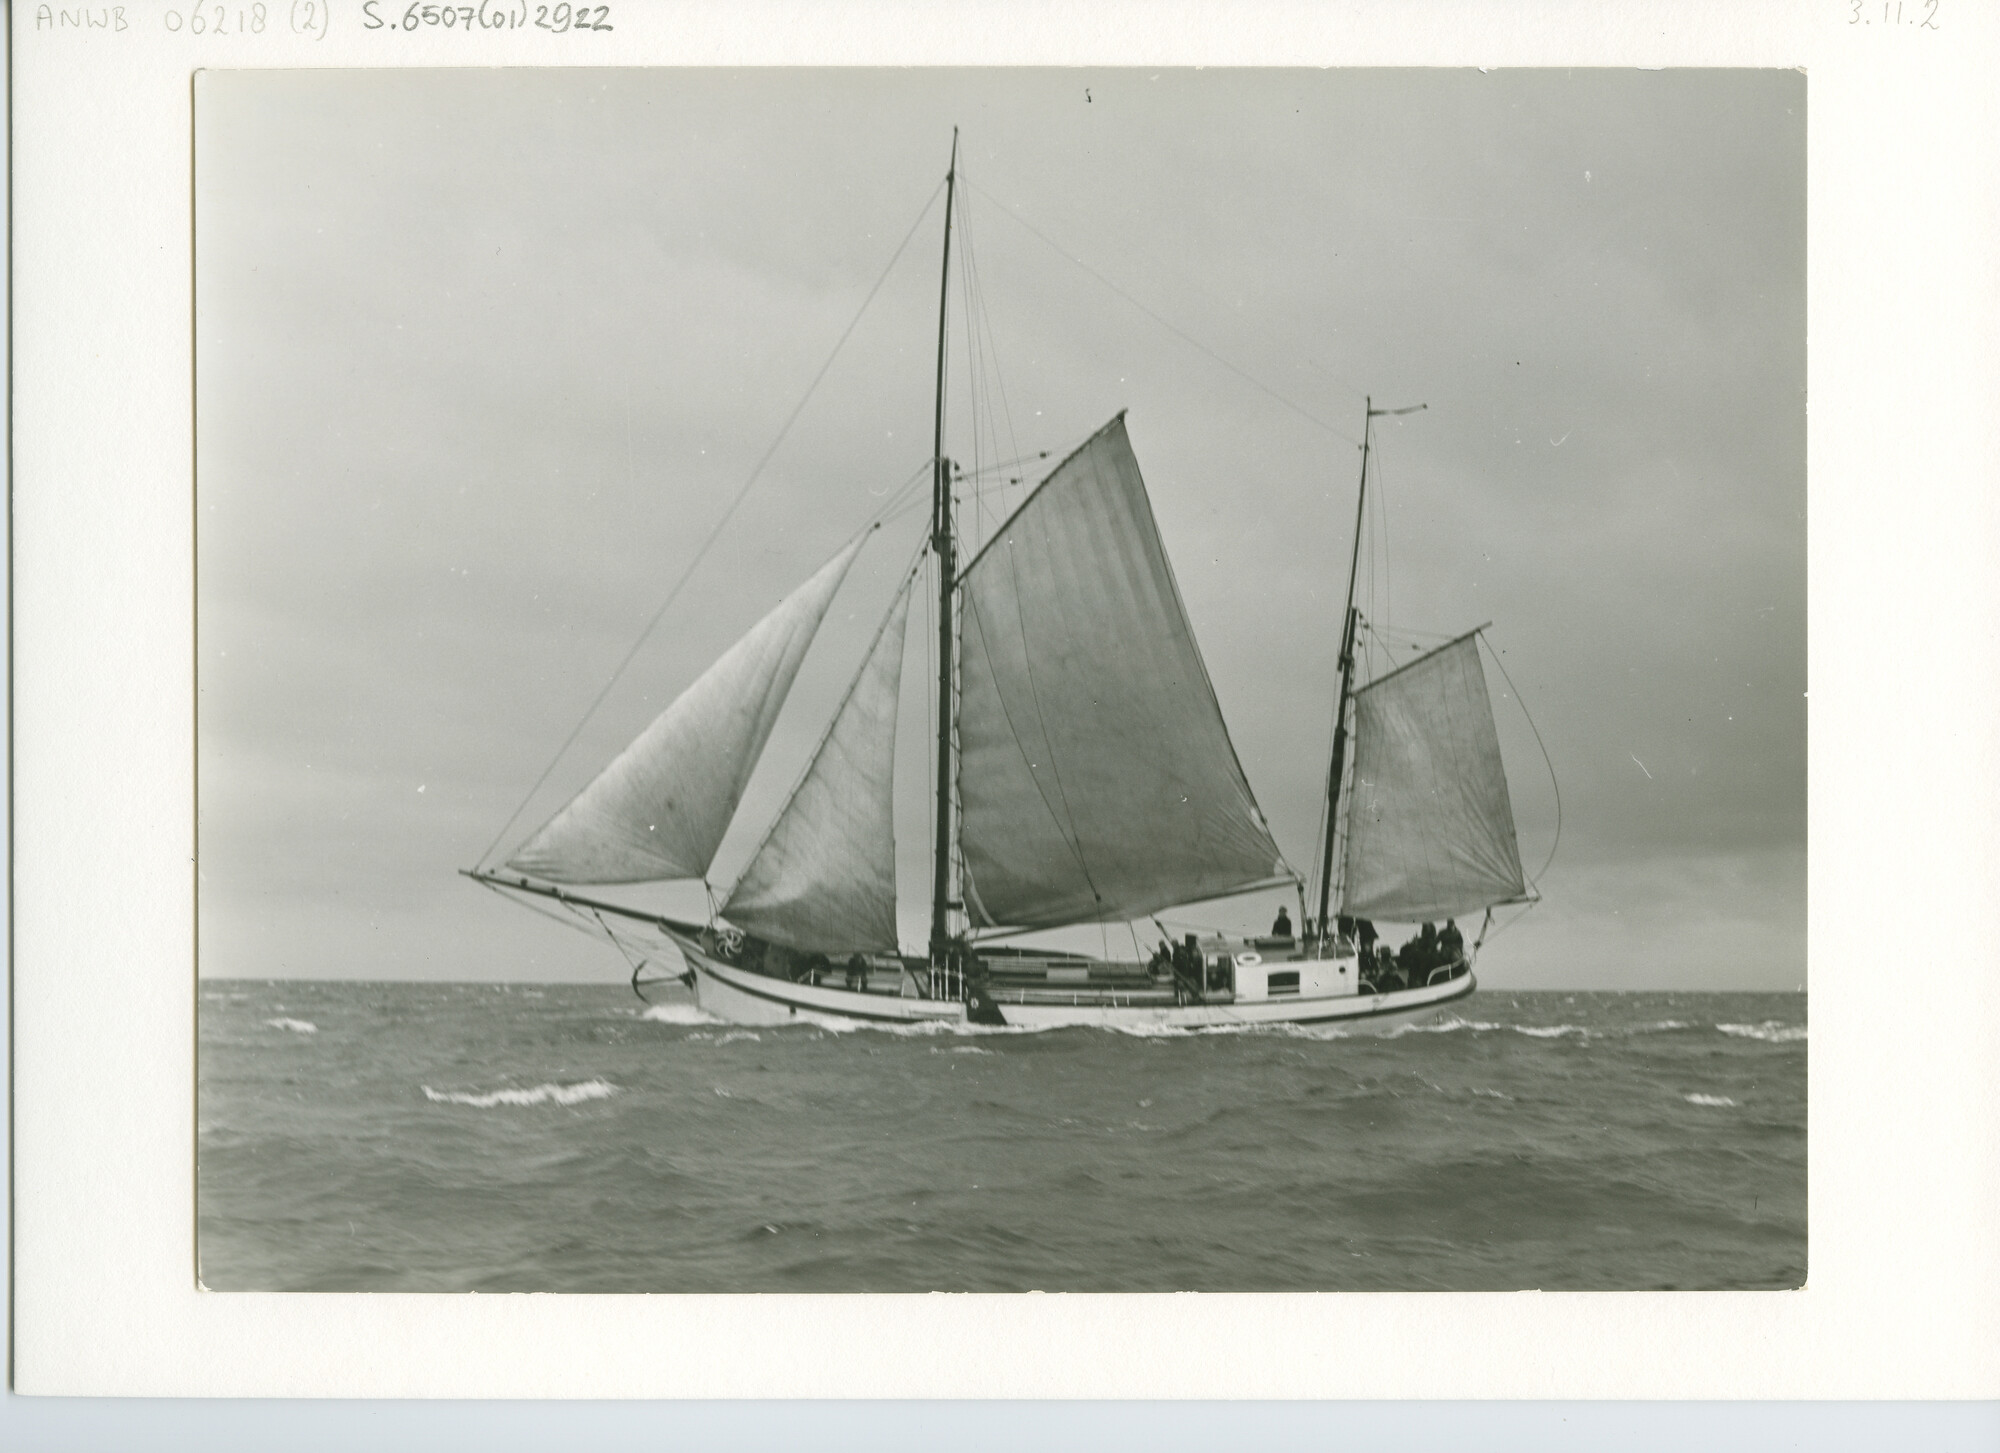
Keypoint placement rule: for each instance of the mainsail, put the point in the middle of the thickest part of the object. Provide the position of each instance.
(660, 809)
(1430, 829)
(824, 878)
(1096, 778)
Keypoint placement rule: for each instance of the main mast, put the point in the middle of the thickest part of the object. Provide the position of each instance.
(943, 547)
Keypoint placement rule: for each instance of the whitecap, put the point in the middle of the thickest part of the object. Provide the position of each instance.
(736, 1034)
(679, 1014)
(1770, 1031)
(297, 1026)
(1448, 1024)
(1550, 1031)
(1171, 1031)
(539, 1095)
(1720, 1101)
(917, 1028)
(1490, 1094)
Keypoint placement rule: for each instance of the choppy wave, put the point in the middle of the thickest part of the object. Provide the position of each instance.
(679, 1014)
(1771, 1031)
(1465, 1156)
(539, 1095)
(297, 1026)
(915, 1029)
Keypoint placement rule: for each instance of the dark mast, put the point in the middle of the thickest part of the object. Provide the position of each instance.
(1369, 415)
(942, 546)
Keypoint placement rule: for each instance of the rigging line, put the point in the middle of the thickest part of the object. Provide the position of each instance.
(909, 577)
(1325, 797)
(1180, 333)
(993, 384)
(638, 961)
(1403, 638)
(975, 379)
(974, 273)
(906, 498)
(896, 492)
(1382, 517)
(930, 698)
(1534, 882)
(905, 510)
(714, 534)
(570, 919)
(1004, 463)
(1065, 822)
(1526, 908)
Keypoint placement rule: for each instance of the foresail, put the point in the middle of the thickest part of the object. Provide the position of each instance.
(1096, 778)
(824, 879)
(1430, 829)
(660, 809)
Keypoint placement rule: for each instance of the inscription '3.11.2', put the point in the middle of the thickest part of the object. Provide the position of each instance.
(1861, 13)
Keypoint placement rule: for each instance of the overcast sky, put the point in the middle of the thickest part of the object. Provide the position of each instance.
(483, 355)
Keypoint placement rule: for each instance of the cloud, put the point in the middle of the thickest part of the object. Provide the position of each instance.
(483, 356)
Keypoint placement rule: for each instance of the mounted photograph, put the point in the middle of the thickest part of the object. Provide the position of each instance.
(1000, 680)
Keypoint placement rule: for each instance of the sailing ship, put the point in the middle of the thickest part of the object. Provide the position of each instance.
(1084, 775)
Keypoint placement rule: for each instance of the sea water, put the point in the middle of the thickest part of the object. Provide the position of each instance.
(461, 1137)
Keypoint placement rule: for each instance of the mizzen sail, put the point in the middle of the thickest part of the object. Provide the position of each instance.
(660, 809)
(1430, 828)
(824, 878)
(1096, 778)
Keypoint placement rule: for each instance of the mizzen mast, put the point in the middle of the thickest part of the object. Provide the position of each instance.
(943, 547)
(1347, 640)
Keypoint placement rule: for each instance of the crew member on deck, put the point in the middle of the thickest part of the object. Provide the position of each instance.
(1283, 927)
(1451, 943)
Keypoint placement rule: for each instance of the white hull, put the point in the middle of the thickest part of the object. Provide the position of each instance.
(739, 996)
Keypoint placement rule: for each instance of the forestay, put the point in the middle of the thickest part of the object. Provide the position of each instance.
(660, 809)
(1430, 829)
(1096, 778)
(824, 878)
